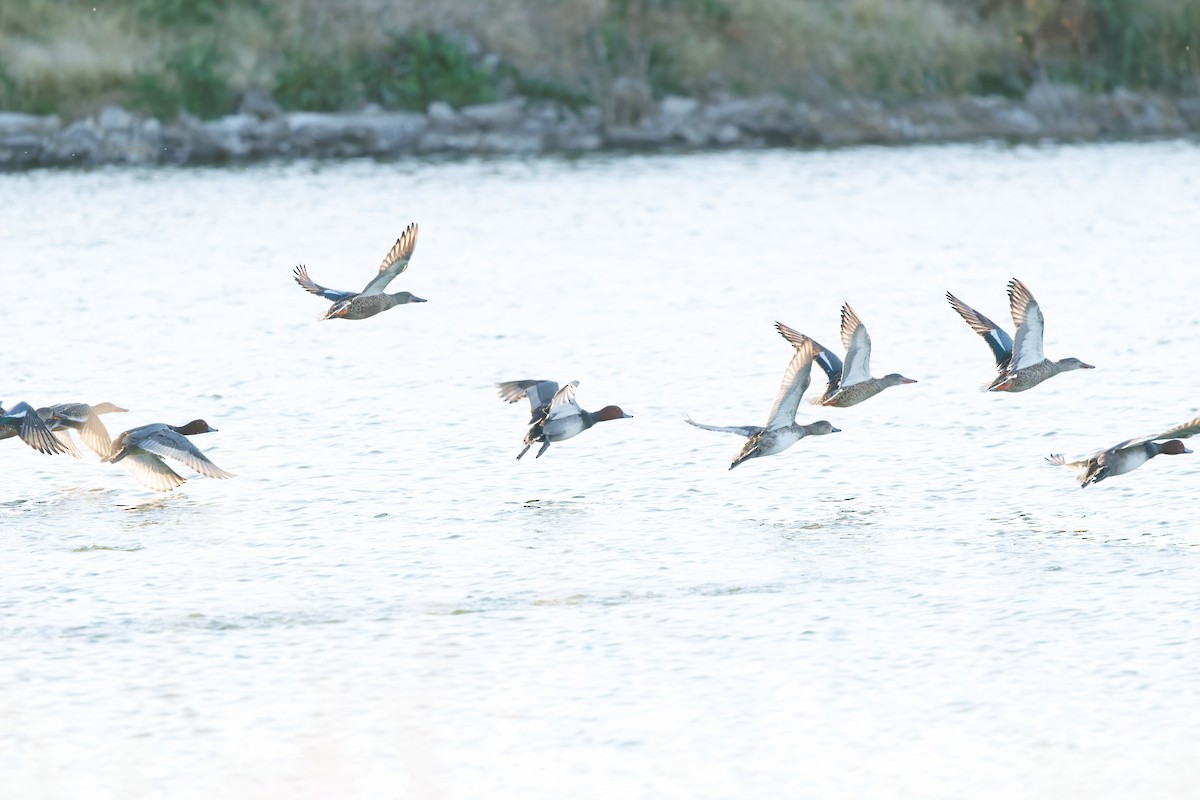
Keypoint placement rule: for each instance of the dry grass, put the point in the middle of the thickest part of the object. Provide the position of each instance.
(61, 55)
(57, 55)
(890, 48)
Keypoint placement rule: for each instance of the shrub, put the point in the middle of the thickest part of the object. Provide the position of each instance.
(310, 81)
(413, 70)
(193, 76)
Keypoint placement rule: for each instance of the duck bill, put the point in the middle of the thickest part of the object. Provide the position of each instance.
(908, 380)
(1085, 366)
(835, 430)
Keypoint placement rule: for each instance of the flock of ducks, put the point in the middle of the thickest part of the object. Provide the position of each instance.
(556, 416)
(140, 450)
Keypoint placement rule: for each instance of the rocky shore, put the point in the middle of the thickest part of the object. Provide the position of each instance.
(261, 130)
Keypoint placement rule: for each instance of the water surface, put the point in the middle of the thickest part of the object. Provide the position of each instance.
(384, 603)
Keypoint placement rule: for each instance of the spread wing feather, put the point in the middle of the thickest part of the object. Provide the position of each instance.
(795, 383)
(996, 337)
(858, 348)
(829, 362)
(1027, 316)
(563, 403)
(740, 430)
(395, 262)
(152, 472)
(301, 276)
(539, 393)
(169, 444)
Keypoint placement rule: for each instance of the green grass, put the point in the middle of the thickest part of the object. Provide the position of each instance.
(163, 56)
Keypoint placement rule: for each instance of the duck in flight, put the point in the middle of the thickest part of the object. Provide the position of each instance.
(555, 416)
(23, 420)
(372, 299)
(849, 383)
(1130, 454)
(141, 450)
(83, 418)
(781, 431)
(1019, 361)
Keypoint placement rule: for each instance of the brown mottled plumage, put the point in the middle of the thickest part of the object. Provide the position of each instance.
(372, 299)
(849, 383)
(1019, 360)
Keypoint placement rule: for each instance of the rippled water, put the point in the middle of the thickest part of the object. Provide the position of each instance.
(384, 603)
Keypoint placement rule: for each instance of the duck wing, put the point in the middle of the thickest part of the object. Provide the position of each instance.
(1058, 460)
(169, 444)
(563, 403)
(1181, 431)
(1027, 316)
(825, 358)
(858, 348)
(151, 471)
(86, 420)
(301, 276)
(33, 430)
(995, 336)
(95, 436)
(795, 383)
(68, 444)
(1178, 432)
(540, 393)
(740, 430)
(395, 262)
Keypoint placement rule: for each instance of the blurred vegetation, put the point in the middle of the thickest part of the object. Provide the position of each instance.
(168, 56)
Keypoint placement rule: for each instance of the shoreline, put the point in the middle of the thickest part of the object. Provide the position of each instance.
(261, 131)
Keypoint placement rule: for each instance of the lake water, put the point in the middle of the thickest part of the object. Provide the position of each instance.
(385, 603)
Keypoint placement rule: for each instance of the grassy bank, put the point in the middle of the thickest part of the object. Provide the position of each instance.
(163, 56)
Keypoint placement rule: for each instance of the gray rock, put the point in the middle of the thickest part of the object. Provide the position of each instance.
(854, 121)
(396, 133)
(260, 104)
(495, 116)
(592, 118)
(630, 100)
(727, 134)
(648, 134)
(15, 122)
(309, 133)
(996, 116)
(511, 142)
(1189, 111)
(115, 118)
(226, 139)
(1046, 99)
(438, 141)
(1065, 111)
(20, 149)
(1139, 114)
(770, 115)
(81, 142)
(677, 108)
(443, 117)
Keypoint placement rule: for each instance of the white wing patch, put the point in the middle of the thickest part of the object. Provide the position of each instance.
(1027, 316)
(563, 403)
(857, 367)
